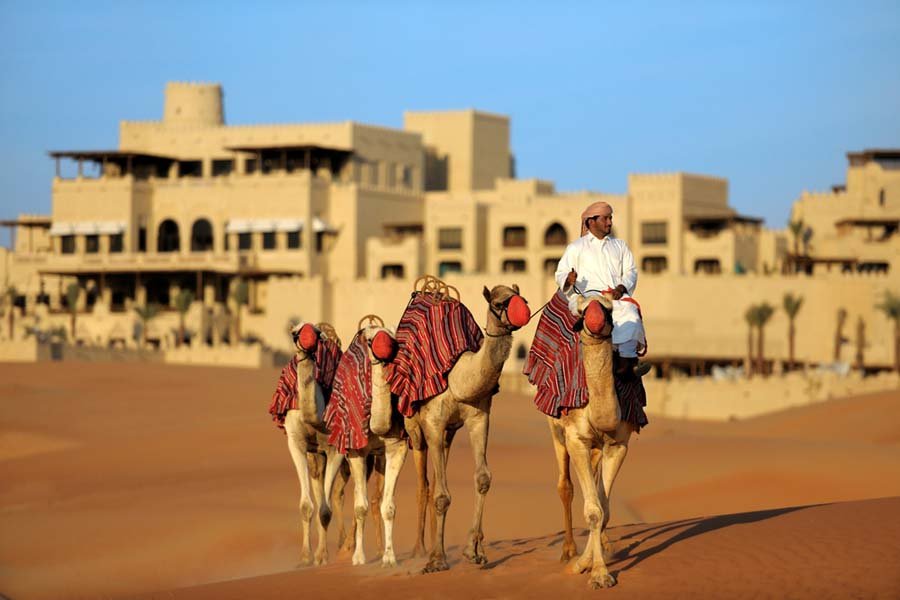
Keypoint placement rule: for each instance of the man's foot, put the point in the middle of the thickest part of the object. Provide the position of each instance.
(642, 368)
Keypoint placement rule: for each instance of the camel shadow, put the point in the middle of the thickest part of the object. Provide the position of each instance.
(695, 527)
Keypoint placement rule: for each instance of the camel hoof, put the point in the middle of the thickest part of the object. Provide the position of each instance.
(606, 548)
(436, 565)
(388, 560)
(305, 560)
(475, 557)
(359, 558)
(579, 567)
(568, 553)
(603, 580)
(321, 559)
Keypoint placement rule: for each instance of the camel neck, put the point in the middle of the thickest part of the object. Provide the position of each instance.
(603, 406)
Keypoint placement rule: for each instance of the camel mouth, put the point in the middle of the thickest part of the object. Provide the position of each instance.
(517, 312)
(595, 318)
(307, 338)
(384, 346)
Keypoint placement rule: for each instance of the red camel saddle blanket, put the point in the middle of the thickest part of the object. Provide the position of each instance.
(431, 336)
(326, 359)
(348, 412)
(554, 365)
(554, 362)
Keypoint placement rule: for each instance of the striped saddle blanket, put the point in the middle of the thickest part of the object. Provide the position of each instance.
(431, 336)
(554, 365)
(347, 415)
(328, 354)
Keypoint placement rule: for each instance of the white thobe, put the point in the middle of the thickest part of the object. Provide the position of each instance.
(602, 264)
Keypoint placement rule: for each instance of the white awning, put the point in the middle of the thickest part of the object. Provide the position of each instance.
(288, 224)
(59, 228)
(262, 225)
(238, 226)
(319, 225)
(87, 228)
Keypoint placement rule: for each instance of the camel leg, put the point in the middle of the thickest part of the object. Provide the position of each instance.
(378, 470)
(613, 457)
(434, 434)
(564, 488)
(423, 490)
(346, 542)
(479, 427)
(296, 446)
(580, 455)
(317, 474)
(360, 503)
(335, 462)
(395, 455)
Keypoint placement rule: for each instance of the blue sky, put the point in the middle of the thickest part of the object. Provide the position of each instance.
(770, 95)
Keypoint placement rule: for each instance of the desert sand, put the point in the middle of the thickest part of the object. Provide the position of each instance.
(123, 480)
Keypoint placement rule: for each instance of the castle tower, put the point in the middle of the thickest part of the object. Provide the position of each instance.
(194, 104)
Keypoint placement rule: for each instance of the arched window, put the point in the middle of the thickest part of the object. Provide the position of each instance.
(201, 236)
(167, 239)
(514, 237)
(556, 236)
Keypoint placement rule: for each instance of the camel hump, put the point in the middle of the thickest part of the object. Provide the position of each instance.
(330, 333)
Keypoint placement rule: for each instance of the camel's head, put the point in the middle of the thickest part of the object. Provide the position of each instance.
(596, 314)
(382, 341)
(508, 309)
(306, 337)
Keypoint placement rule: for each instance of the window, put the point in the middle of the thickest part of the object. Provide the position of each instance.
(391, 169)
(245, 242)
(92, 244)
(516, 265)
(447, 267)
(293, 239)
(653, 232)
(514, 237)
(142, 239)
(881, 197)
(250, 165)
(190, 168)
(550, 266)
(116, 242)
(654, 264)
(556, 236)
(710, 266)
(268, 241)
(167, 239)
(220, 168)
(201, 236)
(67, 244)
(392, 271)
(373, 173)
(450, 238)
(407, 176)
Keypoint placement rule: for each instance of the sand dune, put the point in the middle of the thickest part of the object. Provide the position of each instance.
(125, 479)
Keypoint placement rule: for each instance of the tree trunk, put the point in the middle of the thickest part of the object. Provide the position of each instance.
(143, 334)
(11, 321)
(839, 334)
(897, 345)
(760, 354)
(861, 345)
(237, 325)
(750, 362)
(180, 331)
(791, 332)
(72, 326)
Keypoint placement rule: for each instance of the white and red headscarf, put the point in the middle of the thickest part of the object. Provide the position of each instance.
(594, 210)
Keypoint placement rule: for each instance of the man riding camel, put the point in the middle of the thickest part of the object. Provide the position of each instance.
(598, 262)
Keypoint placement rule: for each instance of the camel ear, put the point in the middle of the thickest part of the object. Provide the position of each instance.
(515, 288)
(487, 294)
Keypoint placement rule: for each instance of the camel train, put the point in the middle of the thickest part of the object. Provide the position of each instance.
(414, 388)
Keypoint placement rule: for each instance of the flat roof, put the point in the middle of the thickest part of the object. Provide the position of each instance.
(100, 155)
(288, 148)
(869, 221)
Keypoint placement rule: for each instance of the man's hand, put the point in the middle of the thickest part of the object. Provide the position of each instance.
(571, 278)
(620, 291)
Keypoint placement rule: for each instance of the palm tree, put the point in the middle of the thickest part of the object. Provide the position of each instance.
(11, 294)
(891, 307)
(750, 316)
(146, 313)
(764, 312)
(860, 345)
(839, 333)
(241, 296)
(72, 293)
(791, 306)
(796, 228)
(183, 301)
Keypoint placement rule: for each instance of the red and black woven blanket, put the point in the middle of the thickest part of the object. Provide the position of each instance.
(555, 366)
(347, 415)
(431, 335)
(328, 354)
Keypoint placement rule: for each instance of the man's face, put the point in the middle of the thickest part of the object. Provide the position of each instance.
(601, 226)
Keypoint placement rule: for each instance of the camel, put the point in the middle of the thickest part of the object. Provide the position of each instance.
(598, 428)
(472, 383)
(386, 444)
(307, 440)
